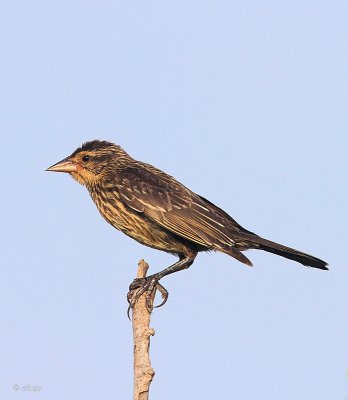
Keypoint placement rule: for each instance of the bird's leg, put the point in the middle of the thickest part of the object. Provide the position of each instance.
(180, 265)
(150, 283)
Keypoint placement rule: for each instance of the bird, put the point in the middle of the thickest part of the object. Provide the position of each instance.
(158, 211)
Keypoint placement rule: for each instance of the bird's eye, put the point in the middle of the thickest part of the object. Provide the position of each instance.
(85, 158)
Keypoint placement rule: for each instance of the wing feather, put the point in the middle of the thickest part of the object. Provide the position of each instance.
(174, 207)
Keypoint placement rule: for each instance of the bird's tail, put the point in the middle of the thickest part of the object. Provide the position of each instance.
(288, 252)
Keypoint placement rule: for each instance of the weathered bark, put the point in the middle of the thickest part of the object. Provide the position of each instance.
(143, 372)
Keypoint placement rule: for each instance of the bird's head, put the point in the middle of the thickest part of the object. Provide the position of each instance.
(91, 162)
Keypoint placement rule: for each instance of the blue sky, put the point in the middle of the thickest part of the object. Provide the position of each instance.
(245, 102)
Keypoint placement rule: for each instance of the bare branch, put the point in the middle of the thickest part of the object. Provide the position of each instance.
(143, 372)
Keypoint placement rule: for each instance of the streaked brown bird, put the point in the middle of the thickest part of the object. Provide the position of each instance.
(158, 211)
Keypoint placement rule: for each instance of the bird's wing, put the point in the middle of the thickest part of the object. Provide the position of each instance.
(174, 207)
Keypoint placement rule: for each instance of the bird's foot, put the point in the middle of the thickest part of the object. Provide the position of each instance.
(147, 285)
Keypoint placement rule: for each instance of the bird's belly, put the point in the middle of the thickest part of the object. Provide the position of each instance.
(137, 226)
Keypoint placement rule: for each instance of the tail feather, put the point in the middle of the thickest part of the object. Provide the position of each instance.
(292, 254)
(238, 255)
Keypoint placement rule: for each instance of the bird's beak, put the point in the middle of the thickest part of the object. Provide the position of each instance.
(63, 166)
